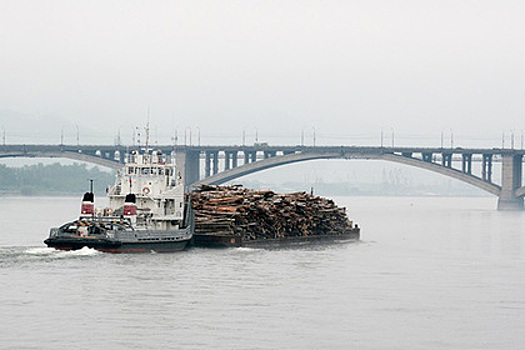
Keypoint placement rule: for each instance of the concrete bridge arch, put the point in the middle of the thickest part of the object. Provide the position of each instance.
(273, 162)
(94, 159)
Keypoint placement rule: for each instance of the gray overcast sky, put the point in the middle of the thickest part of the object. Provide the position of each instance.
(349, 69)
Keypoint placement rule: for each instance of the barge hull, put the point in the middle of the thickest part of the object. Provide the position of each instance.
(227, 240)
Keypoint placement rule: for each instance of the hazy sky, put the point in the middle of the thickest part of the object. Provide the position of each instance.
(347, 69)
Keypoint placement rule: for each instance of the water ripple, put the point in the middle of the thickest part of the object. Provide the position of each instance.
(10, 256)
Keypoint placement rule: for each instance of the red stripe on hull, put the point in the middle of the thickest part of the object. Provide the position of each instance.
(138, 250)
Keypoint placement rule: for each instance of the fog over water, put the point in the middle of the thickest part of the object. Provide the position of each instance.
(342, 70)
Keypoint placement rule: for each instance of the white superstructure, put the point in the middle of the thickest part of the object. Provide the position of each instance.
(158, 190)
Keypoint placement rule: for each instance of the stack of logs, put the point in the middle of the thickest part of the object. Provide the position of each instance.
(257, 215)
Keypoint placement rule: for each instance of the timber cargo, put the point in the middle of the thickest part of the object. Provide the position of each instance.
(233, 216)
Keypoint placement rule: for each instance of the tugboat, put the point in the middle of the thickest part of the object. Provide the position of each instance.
(147, 212)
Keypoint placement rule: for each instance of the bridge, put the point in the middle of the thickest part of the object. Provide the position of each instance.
(220, 164)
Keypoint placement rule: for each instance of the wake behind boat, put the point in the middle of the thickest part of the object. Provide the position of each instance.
(147, 212)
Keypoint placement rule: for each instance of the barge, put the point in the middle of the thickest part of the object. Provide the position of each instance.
(233, 216)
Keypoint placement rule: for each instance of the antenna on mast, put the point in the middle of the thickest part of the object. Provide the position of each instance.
(146, 129)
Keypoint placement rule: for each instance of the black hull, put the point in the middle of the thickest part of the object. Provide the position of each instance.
(227, 240)
(109, 246)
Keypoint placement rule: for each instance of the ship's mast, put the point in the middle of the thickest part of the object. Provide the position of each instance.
(146, 129)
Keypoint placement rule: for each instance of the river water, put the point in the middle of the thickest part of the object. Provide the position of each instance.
(429, 273)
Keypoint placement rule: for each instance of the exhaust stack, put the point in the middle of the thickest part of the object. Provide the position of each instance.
(88, 202)
(130, 208)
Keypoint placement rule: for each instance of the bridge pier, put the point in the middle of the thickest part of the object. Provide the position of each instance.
(486, 169)
(207, 164)
(215, 162)
(427, 157)
(466, 163)
(511, 172)
(234, 159)
(188, 165)
(227, 159)
(447, 160)
(253, 156)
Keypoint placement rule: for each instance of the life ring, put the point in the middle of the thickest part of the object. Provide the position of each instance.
(146, 190)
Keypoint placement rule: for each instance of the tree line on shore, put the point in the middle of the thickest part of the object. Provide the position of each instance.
(40, 179)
